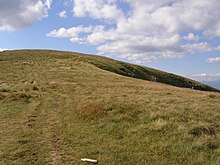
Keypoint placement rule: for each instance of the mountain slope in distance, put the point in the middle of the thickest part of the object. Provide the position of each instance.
(215, 84)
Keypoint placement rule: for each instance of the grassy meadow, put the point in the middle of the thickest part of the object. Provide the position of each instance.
(58, 107)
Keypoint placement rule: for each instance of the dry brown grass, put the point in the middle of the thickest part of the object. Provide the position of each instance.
(79, 110)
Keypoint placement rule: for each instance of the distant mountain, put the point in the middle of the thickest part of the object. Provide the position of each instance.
(215, 84)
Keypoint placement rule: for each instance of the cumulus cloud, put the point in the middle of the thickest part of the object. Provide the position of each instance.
(22, 13)
(102, 9)
(147, 30)
(62, 14)
(75, 33)
(213, 60)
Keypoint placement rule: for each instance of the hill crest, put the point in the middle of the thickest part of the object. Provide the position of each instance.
(118, 67)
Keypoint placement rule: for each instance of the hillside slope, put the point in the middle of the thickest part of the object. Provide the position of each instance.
(58, 107)
(119, 67)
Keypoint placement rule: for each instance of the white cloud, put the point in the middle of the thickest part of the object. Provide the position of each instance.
(213, 60)
(150, 30)
(22, 13)
(201, 75)
(102, 9)
(198, 47)
(206, 77)
(2, 49)
(62, 14)
(191, 37)
(75, 33)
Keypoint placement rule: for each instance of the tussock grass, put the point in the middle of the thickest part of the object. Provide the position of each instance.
(60, 108)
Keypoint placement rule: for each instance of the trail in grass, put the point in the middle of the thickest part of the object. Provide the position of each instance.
(43, 124)
(55, 139)
(51, 107)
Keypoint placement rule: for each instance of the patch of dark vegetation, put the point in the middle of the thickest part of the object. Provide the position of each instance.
(23, 141)
(207, 146)
(212, 96)
(200, 130)
(213, 145)
(109, 109)
(35, 88)
(19, 97)
(2, 89)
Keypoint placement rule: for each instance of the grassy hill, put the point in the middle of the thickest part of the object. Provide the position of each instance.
(118, 67)
(58, 107)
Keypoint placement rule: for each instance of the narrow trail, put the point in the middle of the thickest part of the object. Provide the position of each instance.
(50, 117)
(56, 152)
(45, 111)
(51, 130)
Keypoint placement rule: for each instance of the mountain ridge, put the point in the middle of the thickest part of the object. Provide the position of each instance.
(215, 84)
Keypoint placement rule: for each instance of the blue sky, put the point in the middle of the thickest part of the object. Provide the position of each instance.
(181, 37)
